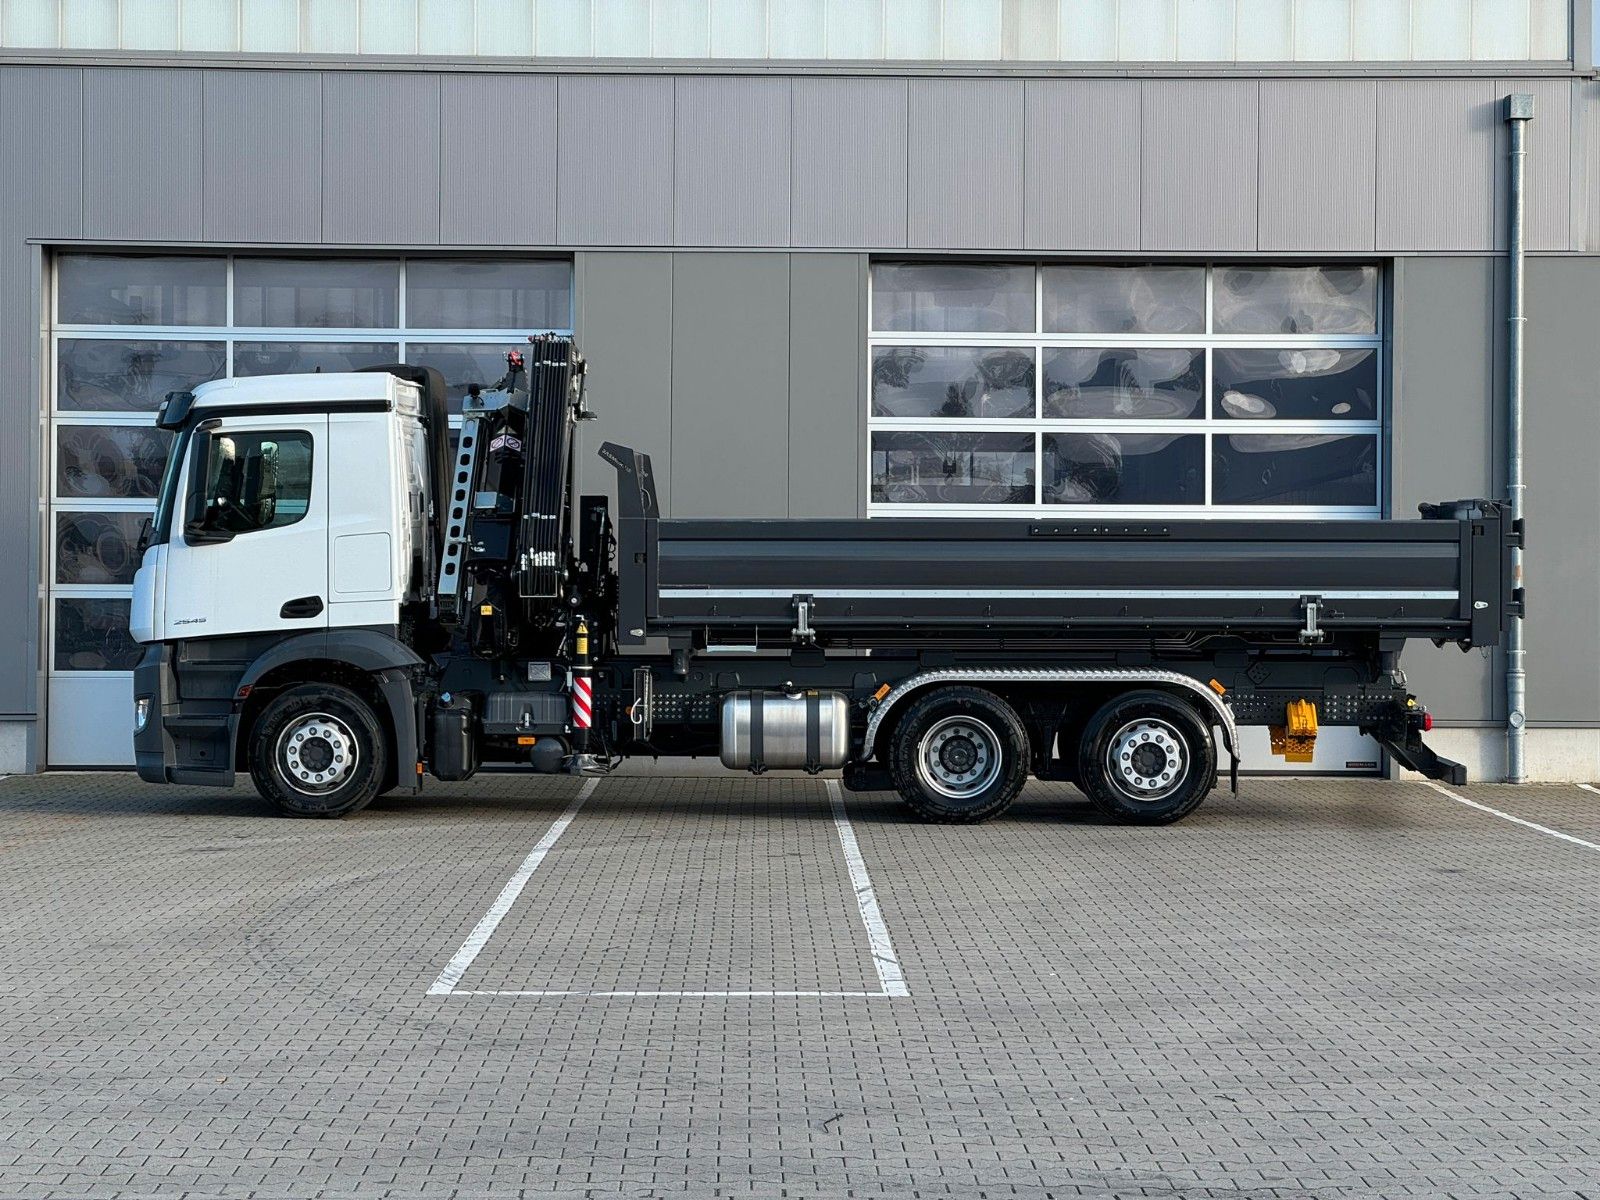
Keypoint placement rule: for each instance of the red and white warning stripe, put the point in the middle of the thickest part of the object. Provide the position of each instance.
(582, 701)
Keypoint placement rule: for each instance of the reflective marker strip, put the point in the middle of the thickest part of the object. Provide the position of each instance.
(582, 700)
(784, 593)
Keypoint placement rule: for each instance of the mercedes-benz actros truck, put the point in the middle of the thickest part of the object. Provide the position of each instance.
(343, 596)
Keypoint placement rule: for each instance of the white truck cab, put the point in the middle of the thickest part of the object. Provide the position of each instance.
(290, 502)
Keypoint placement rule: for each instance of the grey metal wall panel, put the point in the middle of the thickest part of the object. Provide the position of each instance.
(731, 161)
(262, 150)
(142, 173)
(41, 195)
(730, 385)
(1588, 146)
(1082, 186)
(1447, 412)
(964, 185)
(1198, 164)
(849, 174)
(1562, 432)
(624, 327)
(1318, 147)
(827, 382)
(380, 158)
(1436, 164)
(614, 175)
(498, 190)
(41, 152)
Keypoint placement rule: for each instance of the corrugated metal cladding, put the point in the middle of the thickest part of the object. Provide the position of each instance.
(1160, 165)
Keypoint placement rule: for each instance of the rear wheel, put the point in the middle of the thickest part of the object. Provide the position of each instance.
(1146, 758)
(318, 750)
(959, 755)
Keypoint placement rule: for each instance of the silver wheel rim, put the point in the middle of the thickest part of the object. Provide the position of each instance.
(958, 757)
(317, 754)
(1147, 759)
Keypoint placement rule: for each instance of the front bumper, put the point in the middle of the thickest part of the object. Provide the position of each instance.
(180, 743)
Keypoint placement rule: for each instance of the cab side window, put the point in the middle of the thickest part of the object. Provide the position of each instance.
(256, 481)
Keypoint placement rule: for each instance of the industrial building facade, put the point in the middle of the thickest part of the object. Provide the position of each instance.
(1155, 258)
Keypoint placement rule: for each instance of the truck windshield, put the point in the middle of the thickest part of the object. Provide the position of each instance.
(161, 523)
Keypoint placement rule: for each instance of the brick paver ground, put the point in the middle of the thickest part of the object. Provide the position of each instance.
(1315, 988)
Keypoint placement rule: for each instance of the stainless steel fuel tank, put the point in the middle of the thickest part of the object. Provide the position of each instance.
(775, 730)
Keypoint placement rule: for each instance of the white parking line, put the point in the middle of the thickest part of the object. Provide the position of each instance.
(1505, 816)
(484, 929)
(885, 962)
(1588, 787)
(883, 955)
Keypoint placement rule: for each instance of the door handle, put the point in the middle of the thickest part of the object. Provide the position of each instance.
(304, 606)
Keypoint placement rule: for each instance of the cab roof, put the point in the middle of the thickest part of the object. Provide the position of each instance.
(297, 389)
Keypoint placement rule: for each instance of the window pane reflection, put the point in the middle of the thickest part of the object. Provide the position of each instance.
(117, 289)
(524, 295)
(1295, 468)
(97, 547)
(1311, 384)
(298, 358)
(952, 468)
(1150, 384)
(105, 375)
(952, 381)
(1124, 468)
(952, 298)
(122, 462)
(461, 363)
(316, 293)
(92, 635)
(1132, 299)
(1296, 299)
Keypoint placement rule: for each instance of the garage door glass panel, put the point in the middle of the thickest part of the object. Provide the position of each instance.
(952, 468)
(1124, 299)
(92, 635)
(111, 375)
(97, 547)
(1303, 469)
(488, 295)
(296, 358)
(1297, 384)
(110, 462)
(1154, 387)
(952, 382)
(115, 289)
(463, 365)
(316, 293)
(1274, 300)
(129, 328)
(953, 298)
(1159, 383)
(1124, 468)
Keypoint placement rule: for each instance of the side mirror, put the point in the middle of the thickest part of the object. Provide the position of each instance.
(199, 528)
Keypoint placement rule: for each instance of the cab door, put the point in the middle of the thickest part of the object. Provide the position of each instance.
(248, 551)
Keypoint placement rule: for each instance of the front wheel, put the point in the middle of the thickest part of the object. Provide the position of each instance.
(318, 750)
(959, 755)
(1146, 758)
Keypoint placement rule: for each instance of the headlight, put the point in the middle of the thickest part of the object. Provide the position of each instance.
(141, 713)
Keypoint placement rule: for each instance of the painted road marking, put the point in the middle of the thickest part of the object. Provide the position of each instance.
(484, 929)
(1588, 787)
(890, 976)
(1505, 816)
(891, 979)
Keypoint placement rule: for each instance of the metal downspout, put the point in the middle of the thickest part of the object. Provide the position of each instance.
(1518, 112)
